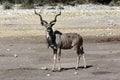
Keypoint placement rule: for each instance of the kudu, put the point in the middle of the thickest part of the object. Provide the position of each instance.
(57, 41)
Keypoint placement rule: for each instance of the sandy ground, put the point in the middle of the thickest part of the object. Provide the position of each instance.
(23, 58)
(23, 51)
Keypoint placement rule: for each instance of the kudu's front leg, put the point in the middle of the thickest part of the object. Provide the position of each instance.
(54, 62)
(54, 59)
(59, 56)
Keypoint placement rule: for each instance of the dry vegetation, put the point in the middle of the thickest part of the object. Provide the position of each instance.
(90, 22)
(83, 32)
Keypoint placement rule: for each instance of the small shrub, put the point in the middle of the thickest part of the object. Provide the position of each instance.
(7, 5)
(81, 1)
(117, 3)
(61, 7)
(27, 6)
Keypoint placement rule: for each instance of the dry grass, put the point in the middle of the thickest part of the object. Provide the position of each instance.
(29, 24)
(83, 32)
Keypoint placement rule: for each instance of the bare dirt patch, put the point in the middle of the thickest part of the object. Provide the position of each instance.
(102, 61)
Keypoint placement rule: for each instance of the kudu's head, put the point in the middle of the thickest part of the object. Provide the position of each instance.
(47, 25)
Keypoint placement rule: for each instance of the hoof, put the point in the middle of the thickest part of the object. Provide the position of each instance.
(76, 68)
(85, 67)
(53, 70)
(59, 70)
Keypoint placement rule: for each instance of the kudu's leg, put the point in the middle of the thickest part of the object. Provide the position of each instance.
(83, 55)
(78, 61)
(85, 65)
(59, 56)
(54, 61)
(54, 58)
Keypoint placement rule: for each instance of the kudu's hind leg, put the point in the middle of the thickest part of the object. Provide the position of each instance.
(78, 56)
(83, 55)
(85, 65)
(78, 61)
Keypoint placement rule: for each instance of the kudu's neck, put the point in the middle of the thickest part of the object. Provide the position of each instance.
(50, 38)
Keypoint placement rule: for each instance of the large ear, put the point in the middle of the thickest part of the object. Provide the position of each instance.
(54, 21)
(43, 22)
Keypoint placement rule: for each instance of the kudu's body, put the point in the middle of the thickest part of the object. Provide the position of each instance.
(57, 41)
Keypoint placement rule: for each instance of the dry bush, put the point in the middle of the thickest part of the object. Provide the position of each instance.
(7, 5)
